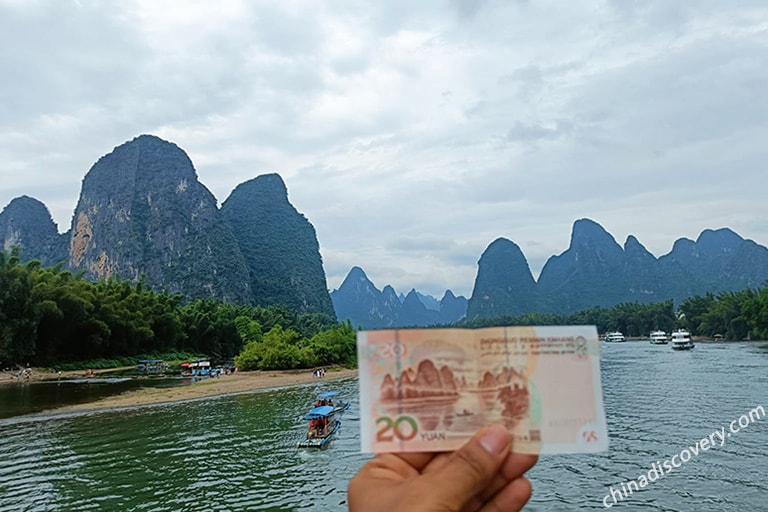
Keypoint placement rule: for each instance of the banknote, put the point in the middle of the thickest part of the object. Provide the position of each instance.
(432, 389)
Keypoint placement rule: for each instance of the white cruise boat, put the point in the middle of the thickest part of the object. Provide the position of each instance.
(681, 340)
(614, 337)
(659, 338)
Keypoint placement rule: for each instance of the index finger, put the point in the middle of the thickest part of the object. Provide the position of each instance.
(517, 464)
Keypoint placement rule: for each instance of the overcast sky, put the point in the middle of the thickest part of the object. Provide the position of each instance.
(410, 134)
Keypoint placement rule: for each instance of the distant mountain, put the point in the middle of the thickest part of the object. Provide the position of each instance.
(26, 222)
(413, 312)
(596, 271)
(429, 301)
(719, 260)
(358, 300)
(279, 245)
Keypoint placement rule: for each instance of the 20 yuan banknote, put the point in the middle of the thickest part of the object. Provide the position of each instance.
(432, 389)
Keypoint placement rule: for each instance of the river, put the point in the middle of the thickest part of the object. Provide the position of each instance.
(239, 452)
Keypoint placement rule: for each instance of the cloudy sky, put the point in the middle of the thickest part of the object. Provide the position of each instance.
(410, 134)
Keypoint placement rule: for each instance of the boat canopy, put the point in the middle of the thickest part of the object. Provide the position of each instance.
(319, 412)
(328, 394)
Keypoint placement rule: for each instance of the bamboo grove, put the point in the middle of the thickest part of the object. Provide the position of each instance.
(739, 315)
(49, 316)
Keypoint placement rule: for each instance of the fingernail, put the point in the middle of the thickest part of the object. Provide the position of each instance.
(495, 440)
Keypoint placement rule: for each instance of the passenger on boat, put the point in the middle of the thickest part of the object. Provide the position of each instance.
(314, 428)
(322, 428)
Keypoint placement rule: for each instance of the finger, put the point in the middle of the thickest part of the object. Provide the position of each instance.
(511, 498)
(396, 466)
(386, 471)
(515, 465)
(471, 468)
(418, 460)
(437, 462)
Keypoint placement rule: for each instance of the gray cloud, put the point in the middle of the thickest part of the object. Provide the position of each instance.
(410, 135)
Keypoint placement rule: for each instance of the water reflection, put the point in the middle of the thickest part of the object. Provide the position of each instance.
(20, 398)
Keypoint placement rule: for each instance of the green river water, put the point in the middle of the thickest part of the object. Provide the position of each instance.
(238, 452)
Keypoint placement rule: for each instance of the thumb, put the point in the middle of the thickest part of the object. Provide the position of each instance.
(470, 469)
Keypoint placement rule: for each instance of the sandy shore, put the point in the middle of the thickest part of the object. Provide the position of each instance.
(239, 382)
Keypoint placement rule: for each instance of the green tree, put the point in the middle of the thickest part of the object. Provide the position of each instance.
(335, 345)
(18, 321)
(755, 312)
(693, 309)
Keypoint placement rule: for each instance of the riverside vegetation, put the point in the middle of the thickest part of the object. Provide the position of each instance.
(49, 317)
(736, 316)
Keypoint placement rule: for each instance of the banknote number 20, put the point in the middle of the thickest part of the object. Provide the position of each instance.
(390, 430)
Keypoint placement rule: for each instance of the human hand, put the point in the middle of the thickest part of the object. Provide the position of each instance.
(482, 476)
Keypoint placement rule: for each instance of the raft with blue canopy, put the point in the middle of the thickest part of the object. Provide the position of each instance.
(322, 424)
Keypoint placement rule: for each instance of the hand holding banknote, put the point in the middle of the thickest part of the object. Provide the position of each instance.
(481, 475)
(431, 390)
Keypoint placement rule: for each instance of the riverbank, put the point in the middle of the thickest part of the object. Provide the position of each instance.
(40, 374)
(239, 382)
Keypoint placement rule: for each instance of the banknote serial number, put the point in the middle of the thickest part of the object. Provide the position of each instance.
(403, 428)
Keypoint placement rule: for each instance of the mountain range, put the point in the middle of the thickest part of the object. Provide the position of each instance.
(143, 215)
(595, 271)
(358, 300)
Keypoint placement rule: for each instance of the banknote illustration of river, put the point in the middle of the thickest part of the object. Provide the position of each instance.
(440, 399)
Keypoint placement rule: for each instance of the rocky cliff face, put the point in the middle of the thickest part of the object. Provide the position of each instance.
(26, 222)
(279, 245)
(142, 211)
(504, 284)
(586, 274)
(642, 276)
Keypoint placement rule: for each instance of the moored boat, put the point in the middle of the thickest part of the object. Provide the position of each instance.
(681, 340)
(615, 336)
(199, 369)
(659, 338)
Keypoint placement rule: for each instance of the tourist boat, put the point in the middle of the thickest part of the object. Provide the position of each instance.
(681, 340)
(157, 366)
(322, 427)
(326, 398)
(323, 424)
(615, 336)
(659, 338)
(199, 368)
